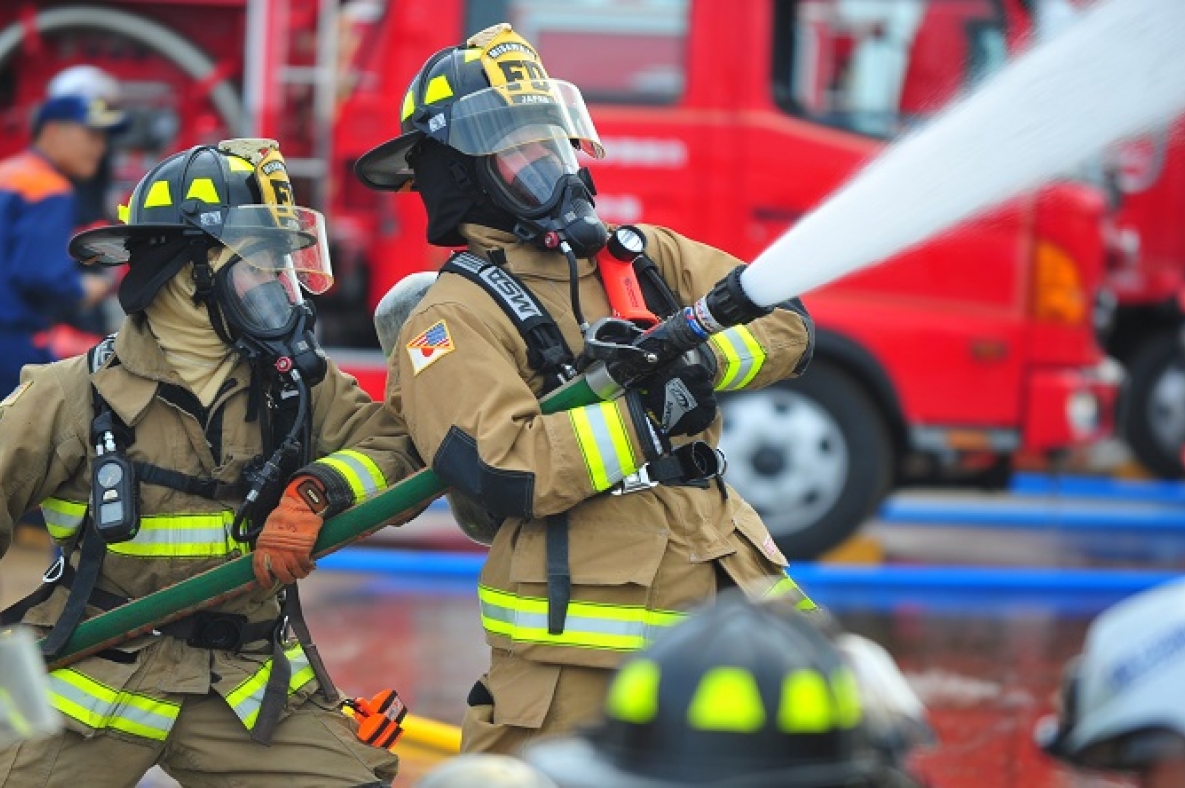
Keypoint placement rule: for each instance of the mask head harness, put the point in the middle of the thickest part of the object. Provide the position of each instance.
(491, 100)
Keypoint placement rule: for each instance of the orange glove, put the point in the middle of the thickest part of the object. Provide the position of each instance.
(284, 548)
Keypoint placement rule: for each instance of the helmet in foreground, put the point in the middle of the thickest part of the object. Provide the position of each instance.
(737, 695)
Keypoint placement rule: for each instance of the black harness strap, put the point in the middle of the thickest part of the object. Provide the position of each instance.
(547, 352)
(93, 549)
(559, 573)
(549, 355)
(210, 489)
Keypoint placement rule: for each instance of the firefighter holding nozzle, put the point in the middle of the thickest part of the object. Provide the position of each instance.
(211, 425)
(607, 521)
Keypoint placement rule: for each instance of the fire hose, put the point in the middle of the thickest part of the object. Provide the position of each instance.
(727, 304)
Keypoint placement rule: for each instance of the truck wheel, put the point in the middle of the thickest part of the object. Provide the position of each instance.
(1152, 406)
(811, 455)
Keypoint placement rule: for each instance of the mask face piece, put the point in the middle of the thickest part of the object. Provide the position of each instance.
(528, 177)
(261, 300)
(269, 322)
(541, 184)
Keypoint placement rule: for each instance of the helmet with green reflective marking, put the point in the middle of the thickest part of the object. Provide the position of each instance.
(236, 194)
(479, 99)
(737, 695)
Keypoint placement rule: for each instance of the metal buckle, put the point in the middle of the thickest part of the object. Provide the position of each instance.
(636, 482)
(54, 573)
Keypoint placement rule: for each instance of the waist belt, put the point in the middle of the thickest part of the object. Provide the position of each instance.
(693, 464)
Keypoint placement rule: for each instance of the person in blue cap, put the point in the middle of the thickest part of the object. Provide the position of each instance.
(39, 281)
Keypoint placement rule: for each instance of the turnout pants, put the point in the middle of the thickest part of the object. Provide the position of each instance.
(208, 747)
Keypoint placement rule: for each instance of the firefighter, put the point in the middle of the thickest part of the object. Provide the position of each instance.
(738, 695)
(606, 533)
(1120, 702)
(210, 425)
(39, 283)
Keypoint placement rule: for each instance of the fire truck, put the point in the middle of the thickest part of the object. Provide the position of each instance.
(725, 122)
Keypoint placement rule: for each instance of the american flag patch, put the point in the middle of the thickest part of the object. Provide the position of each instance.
(429, 346)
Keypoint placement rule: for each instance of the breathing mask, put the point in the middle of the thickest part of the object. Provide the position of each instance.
(539, 182)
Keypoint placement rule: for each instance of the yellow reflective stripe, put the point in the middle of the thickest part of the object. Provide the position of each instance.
(238, 164)
(787, 587)
(203, 189)
(604, 443)
(588, 624)
(847, 698)
(359, 471)
(743, 357)
(633, 696)
(246, 699)
(726, 699)
(98, 706)
(438, 89)
(180, 536)
(158, 195)
(806, 705)
(409, 106)
(63, 517)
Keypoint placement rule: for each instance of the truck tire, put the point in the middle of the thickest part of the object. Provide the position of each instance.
(813, 456)
(1152, 405)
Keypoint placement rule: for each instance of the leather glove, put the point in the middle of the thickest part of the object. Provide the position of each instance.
(679, 400)
(284, 548)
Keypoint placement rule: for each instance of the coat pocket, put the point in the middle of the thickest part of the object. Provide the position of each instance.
(749, 526)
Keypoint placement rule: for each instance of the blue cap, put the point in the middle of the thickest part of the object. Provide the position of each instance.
(94, 113)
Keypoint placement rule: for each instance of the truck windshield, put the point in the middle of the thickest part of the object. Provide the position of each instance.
(617, 51)
(876, 67)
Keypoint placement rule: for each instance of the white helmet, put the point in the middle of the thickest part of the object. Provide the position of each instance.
(1122, 700)
(90, 82)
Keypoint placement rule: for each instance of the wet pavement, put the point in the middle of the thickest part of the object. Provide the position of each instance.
(986, 662)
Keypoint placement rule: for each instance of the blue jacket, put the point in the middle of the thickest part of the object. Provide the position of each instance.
(39, 281)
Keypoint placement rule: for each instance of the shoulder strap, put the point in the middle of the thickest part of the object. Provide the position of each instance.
(547, 352)
(657, 294)
(92, 548)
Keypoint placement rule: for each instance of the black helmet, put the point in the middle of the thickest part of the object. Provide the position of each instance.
(737, 695)
(236, 194)
(471, 98)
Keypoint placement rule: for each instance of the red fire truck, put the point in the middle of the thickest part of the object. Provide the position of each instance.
(727, 122)
(1146, 276)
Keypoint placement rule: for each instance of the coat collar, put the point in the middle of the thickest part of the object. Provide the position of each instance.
(523, 259)
(130, 386)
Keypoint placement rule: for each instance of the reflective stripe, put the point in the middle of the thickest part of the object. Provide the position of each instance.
(589, 624)
(96, 705)
(246, 698)
(787, 587)
(181, 536)
(62, 517)
(604, 443)
(743, 357)
(360, 472)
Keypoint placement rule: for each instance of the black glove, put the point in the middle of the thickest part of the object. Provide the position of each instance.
(677, 401)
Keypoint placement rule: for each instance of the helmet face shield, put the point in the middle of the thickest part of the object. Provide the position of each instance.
(280, 238)
(493, 119)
